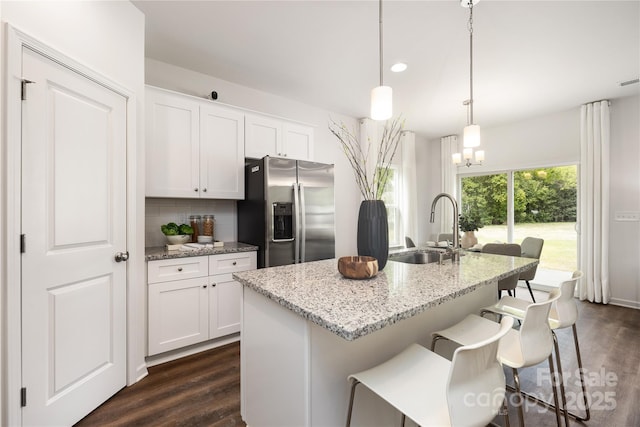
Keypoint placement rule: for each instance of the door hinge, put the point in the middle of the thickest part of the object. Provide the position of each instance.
(23, 397)
(23, 92)
(23, 247)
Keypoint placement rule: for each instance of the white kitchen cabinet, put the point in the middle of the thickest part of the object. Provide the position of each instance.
(221, 153)
(178, 310)
(278, 138)
(225, 294)
(297, 141)
(225, 300)
(194, 148)
(172, 145)
(194, 299)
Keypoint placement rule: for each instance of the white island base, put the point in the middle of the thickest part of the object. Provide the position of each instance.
(294, 372)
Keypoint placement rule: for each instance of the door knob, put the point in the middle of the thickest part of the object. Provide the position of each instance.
(122, 256)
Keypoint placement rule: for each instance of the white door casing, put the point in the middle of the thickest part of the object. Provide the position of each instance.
(74, 220)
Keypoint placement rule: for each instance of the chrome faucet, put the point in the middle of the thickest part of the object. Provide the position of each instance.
(455, 252)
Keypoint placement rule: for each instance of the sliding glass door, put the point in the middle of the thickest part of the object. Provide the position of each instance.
(538, 203)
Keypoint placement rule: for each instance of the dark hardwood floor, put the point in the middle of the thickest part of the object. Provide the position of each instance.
(198, 390)
(204, 389)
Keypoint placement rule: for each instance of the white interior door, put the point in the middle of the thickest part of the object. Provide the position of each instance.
(74, 221)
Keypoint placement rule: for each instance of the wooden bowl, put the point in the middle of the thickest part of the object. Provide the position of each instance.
(358, 267)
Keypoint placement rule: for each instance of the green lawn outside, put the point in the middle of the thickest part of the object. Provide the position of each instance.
(560, 241)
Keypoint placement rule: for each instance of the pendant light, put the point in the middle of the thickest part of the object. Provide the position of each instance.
(471, 135)
(381, 96)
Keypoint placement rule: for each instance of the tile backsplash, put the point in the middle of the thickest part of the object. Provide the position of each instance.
(162, 211)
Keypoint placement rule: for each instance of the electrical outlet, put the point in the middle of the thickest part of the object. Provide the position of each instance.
(627, 216)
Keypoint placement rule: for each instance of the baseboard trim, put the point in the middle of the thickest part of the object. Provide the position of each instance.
(625, 303)
(613, 301)
(192, 349)
(141, 372)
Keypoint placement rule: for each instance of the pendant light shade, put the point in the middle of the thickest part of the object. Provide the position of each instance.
(381, 103)
(471, 136)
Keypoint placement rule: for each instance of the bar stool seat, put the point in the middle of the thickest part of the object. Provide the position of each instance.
(432, 390)
(529, 346)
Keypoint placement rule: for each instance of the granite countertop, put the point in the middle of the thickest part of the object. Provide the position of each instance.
(354, 308)
(160, 252)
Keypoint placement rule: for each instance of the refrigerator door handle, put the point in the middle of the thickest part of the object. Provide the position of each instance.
(303, 224)
(296, 215)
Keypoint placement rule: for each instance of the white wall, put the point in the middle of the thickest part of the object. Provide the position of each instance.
(542, 141)
(624, 247)
(555, 140)
(108, 38)
(326, 146)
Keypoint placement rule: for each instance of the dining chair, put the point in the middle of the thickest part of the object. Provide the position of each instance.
(445, 237)
(528, 346)
(563, 313)
(510, 249)
(531, 248)
(432, 390)
(408, 242)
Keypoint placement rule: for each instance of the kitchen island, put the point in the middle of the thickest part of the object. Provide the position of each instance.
(305, 328)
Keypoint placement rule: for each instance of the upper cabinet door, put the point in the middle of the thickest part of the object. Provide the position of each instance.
(268, 136)
(263, 136)
(172, 145)
(221, 153)
(297, 142)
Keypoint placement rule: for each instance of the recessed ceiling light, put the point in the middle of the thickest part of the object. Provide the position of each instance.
(398, 67)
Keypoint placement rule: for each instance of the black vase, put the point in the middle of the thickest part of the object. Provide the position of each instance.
(373, 231)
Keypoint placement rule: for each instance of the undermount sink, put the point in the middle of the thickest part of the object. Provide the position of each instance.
(417, 258)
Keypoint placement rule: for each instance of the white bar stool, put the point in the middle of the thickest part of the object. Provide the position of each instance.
(563, 313)
(529, 346)
(432, 390)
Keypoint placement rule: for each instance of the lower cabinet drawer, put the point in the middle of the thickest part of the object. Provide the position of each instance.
(177, 269)
(231, 263)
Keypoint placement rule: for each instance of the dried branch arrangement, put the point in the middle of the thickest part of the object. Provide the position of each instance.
(371, 181)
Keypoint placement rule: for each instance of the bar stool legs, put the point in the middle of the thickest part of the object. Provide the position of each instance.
(518, 391)
(581, 371)
(565, 410)
(353, 392)
(585, 400)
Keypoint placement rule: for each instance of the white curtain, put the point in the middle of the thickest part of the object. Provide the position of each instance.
(594, 202)
(448, 184)
(409, 185)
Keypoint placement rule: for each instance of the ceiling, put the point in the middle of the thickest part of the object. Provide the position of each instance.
(531, 58)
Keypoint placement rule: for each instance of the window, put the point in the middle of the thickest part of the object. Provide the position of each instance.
(392, 198)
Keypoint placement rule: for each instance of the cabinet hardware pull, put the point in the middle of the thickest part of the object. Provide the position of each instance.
(195, 189)
(204, 286)
(234, 263)
(179, 268)
(204, 190)
(213, 285)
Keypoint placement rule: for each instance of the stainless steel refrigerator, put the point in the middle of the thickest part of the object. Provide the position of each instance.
(288, 211)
